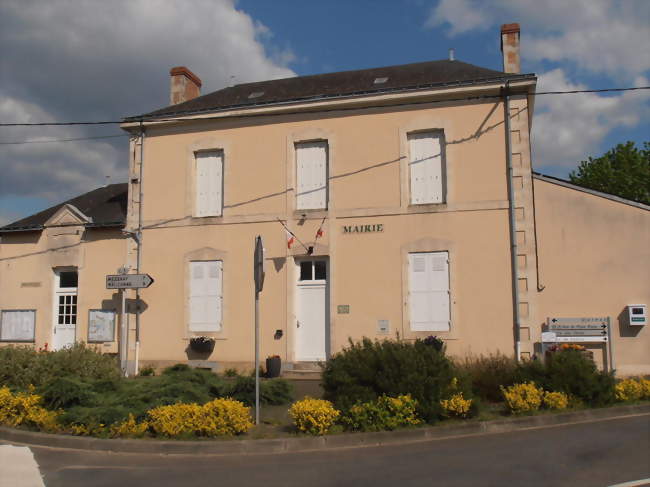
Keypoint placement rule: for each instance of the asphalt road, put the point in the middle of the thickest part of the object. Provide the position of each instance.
(600, 453)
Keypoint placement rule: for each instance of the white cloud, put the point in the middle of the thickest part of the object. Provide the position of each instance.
(98, 60)
(566, 128)
(601, 36)
(52, 170)
(460, 15)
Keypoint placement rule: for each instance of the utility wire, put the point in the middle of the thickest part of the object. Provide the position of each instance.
(48, 141)
(188, 118)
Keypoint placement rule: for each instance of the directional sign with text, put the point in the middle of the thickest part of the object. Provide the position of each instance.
(571, 333)
(128, 281)
(577, 322)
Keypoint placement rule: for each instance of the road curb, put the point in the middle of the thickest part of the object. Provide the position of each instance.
(287, 445)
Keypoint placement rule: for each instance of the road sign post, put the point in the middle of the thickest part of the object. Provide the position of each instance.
(258, 278)
(121, 282)
(580, 330)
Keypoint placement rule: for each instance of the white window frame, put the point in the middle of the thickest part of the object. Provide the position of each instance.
(436, 325)
(66, 291)
(303, 200)
(432, 172)
(194, 326)
(206, 208)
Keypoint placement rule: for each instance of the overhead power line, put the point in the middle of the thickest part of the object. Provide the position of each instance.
(48, 141)
(189, 118)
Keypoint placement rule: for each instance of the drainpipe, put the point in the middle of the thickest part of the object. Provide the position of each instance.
(139, 254)
(513, 223)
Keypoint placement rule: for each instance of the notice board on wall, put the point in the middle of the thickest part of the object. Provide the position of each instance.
(101, 325)
(17, 325)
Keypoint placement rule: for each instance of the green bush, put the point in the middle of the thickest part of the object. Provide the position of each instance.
(386, 413)
(65, 392)
(272, 391)
(487, 374)
(569, 371)
(21, 367)
(366, 370)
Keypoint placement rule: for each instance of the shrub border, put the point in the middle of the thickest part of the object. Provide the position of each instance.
(289, 445)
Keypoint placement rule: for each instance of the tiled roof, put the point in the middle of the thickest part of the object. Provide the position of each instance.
(106, 207)
(406, 77)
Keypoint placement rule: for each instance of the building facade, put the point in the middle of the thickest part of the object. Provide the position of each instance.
(392, 202)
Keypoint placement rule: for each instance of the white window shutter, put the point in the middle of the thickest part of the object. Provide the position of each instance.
(429, 291)
(311, 175)
(206, 296)
(209, 183)
(425, 168)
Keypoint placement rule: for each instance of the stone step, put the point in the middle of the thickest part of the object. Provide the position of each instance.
(313, 366)
(301, 374)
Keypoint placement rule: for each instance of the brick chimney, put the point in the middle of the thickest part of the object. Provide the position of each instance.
(185, 85)
(510, 48)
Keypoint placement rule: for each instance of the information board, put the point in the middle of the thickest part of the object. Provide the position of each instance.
(101, 325)
(17, 325)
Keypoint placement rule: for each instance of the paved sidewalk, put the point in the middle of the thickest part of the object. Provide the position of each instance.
(18, 467)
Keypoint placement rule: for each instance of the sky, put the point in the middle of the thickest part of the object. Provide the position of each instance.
(89, 60)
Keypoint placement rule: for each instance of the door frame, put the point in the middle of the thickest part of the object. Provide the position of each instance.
(296, 301)
(57, 291)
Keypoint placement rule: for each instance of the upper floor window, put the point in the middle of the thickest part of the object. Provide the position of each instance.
(311, 175)
(209, 183)
(426, 167)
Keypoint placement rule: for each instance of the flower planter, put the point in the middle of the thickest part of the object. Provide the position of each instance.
(273, 366)
(202, 344)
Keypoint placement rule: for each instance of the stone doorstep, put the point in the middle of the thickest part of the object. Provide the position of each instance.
(292, 444)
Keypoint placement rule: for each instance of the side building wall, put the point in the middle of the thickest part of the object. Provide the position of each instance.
(594, 260)
(27, 264)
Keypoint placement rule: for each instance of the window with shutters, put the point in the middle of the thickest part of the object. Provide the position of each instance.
(429, 291)
(311, 175)
(426, 167)
(209, 183)
(206, 296)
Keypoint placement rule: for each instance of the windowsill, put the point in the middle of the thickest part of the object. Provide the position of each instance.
(312, 213)
(418, 208)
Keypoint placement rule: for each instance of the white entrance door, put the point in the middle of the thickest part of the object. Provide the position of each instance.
(65, 309)
(312, 311)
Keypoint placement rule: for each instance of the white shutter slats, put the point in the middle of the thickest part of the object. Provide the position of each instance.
(311, 175)
(206, 284)
(429, 291)
(209, 183)
(425, 167)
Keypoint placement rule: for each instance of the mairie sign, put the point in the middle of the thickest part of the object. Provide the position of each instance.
(128, 281)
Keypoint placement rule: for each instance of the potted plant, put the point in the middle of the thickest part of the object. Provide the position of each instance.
(273, 366)
(202, 344)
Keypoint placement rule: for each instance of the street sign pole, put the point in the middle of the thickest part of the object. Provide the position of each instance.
(612, 366)
(258, 278)
(124, 334)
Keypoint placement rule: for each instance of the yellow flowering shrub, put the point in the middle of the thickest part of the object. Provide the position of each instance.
(129, 428)
(629, 390)
(215, 418)
(456, 405)
(645, 388)
(386, 413)
(521, 398)
(555, 400)
(313, 416)
(25, 409)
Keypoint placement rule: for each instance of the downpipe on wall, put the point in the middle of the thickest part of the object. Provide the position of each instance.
(513, 223)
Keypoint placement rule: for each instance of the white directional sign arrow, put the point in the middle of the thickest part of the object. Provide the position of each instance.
(128, 281)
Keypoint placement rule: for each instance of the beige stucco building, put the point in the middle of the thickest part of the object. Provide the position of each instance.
(391, 201)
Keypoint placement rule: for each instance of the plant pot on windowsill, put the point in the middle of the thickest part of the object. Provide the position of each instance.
(202, 344)
(273, 366)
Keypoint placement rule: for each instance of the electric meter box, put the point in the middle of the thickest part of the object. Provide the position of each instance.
(637, 314)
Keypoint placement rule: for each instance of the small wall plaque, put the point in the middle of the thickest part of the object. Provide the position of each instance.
(383, 327)
(343, 309)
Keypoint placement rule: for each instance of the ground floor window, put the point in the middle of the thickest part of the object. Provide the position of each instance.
(429, 291)
(206, 296)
